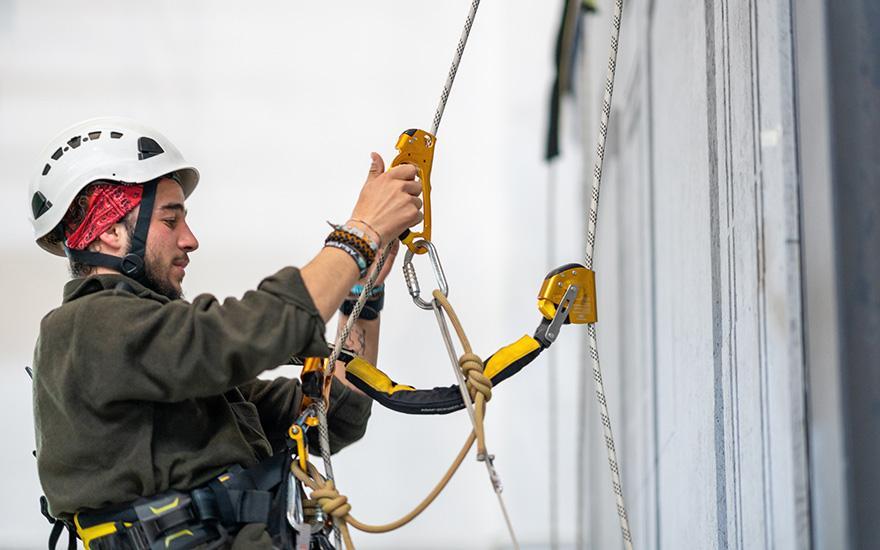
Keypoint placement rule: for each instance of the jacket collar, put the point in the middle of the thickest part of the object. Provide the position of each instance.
(77, 288)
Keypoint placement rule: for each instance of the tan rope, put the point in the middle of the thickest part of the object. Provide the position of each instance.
(334, 504)
(479, 386)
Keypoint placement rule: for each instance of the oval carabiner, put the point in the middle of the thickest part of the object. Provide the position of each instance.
(412, 281)
(416, 147)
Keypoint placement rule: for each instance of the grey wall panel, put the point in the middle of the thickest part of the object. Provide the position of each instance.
(699, 238)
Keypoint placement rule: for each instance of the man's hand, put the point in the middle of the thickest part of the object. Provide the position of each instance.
(389, 202)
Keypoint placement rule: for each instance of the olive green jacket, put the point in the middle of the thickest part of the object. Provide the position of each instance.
(135, 394)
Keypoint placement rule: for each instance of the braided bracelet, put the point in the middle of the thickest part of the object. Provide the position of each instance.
(352, 240)
(351, 251)
(357, 232)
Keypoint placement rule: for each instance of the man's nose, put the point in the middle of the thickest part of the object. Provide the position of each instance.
(188, 240)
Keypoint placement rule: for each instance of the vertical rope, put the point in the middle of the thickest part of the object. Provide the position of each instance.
(591, 242)
(603, 134)
(330, 367)
(456, 60)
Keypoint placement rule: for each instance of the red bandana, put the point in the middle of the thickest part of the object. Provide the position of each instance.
(108, 203)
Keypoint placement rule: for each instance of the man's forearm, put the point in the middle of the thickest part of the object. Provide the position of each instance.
(329, 278)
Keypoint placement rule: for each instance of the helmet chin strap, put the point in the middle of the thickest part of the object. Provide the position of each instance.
(132, 264)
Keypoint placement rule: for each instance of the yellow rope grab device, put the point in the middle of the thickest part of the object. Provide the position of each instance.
(567, 295)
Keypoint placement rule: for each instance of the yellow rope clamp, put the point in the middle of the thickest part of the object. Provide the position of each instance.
(416, 147)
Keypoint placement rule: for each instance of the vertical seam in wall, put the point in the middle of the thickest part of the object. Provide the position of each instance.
(649, 102)
(712, 122)
(761, 272)
(809, 531)
(732, 305)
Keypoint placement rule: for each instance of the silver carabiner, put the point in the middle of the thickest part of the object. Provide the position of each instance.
(412, 281)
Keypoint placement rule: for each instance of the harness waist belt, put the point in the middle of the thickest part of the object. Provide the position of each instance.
(178, 520)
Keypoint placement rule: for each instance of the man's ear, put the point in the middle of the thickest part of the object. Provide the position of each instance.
(112, 241)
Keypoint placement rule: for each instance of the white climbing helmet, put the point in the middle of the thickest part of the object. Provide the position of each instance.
(108, 148)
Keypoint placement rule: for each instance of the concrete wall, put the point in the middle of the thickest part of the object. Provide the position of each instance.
(698, 266)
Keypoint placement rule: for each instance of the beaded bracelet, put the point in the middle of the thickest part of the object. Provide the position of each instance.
(375, 291)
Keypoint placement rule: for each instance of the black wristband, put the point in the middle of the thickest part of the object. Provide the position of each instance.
(371, 307)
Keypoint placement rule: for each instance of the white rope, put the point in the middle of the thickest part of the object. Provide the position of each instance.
(591, 241)
(456, 60)
(341, 338)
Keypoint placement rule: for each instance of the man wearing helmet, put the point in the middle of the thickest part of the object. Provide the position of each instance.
(139, 394)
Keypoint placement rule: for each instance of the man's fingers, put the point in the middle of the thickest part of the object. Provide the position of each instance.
(403, 172)
(414, 188)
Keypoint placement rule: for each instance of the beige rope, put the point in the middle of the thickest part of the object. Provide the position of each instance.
(479, 386)
(334, 504)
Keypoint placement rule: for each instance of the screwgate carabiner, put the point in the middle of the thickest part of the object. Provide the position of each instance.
(409, 273)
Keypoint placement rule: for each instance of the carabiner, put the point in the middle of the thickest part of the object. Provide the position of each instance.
(412, 281)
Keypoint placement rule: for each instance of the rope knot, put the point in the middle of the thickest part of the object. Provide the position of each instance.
(331, 501)
(477, 382)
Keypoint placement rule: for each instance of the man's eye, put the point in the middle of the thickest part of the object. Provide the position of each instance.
(170, 222)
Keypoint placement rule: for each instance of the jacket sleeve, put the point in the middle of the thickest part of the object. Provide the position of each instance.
(278, 402)
(179, 350)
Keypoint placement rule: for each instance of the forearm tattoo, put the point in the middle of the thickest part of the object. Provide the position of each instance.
(357, 340)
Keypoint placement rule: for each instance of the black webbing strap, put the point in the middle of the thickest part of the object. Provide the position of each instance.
(142, 227)
(57, 527)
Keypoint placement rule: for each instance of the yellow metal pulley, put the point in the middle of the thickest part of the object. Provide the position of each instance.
(582, 308)
(416, 147)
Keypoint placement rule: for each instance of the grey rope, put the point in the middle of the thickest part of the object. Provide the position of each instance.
(591, 242)
(341, 338)
(459, 51)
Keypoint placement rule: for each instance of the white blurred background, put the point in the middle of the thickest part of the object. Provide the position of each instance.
(279, 104)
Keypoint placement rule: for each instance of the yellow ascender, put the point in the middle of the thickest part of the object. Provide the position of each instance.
(568, 295)
(416, 147)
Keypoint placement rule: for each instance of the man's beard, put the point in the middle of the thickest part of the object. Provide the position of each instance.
(155, 282)
(151, 278)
